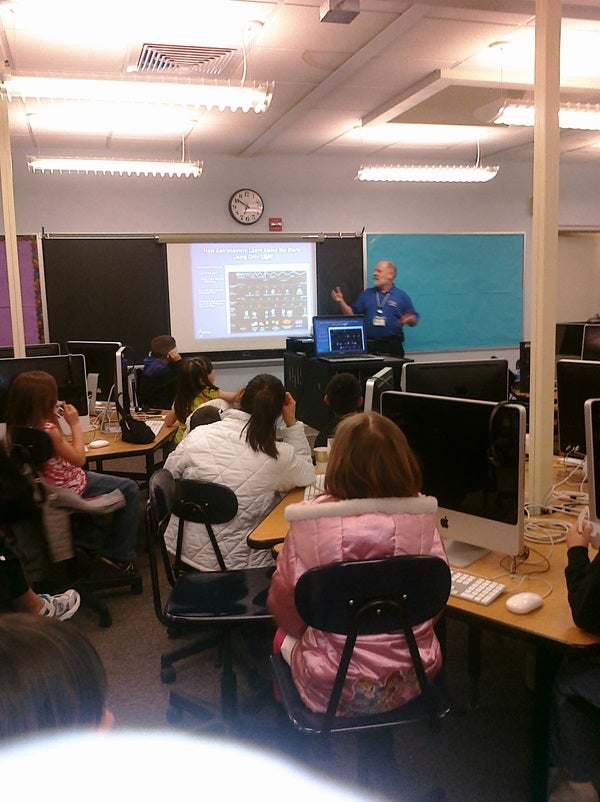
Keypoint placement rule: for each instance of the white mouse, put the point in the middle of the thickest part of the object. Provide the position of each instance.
(98, 443)
(522, 603)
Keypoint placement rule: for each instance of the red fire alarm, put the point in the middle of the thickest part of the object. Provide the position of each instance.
(275, 224)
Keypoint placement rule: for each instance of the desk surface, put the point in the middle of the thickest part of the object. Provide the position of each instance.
(551, 622)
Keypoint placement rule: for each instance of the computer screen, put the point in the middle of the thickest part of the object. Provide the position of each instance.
(590, 347)
(592, 443)
(472, 454)
(375, 385)
(569, 339)
(576, 381)
(124, 365)
(35, 349)
(482, 379)
(524, 366)
(100, 360)
(68, 370)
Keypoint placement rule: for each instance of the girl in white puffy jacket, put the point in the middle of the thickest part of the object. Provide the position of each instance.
(241, 451)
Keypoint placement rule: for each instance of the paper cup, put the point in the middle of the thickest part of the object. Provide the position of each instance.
(321, 455)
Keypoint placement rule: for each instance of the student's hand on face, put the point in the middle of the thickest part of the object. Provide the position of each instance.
(288, 410)
(238, 395)
(173, 355)
(70, 413)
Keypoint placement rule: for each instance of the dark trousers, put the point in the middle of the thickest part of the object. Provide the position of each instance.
(386, 346)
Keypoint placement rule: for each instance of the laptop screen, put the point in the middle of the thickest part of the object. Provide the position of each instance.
(339, 335)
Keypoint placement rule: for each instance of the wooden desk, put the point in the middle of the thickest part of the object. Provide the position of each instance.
(118, 449)
(549, 630)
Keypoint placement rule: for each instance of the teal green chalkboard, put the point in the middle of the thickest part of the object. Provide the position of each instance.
(467, 288)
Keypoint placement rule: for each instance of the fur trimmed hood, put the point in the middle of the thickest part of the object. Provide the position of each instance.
(305, 511)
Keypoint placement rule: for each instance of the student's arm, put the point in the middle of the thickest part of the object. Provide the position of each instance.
(74, 451)
(170, 418)
(231, 397)
(583, 580)
(280, 601)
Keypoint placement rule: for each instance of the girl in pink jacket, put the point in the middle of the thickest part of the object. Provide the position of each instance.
(372, 508)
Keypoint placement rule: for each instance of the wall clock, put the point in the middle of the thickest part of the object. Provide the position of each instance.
(246, 206)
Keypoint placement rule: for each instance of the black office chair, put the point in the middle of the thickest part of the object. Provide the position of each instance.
(46, 547)
(219, 603)
(356, 599)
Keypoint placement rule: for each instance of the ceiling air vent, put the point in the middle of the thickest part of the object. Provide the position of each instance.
(214, 61)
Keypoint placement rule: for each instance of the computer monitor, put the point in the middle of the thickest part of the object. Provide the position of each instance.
(375, 385)
(590, 346)
(592, 444)
(576, 381)
(100, 359)
(480, 379)
(69, 372)
(35, 349)
(472, 454)
(569, 339)
(524, 366)
(124, 366)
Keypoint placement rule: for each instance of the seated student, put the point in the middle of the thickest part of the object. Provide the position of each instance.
(51, 678)
(33, 401)
(195, 386)
(241, 451)
(16, 595)
(343, 395)
(156, 384)
(372, 508)
(204, 415)
(575, 729)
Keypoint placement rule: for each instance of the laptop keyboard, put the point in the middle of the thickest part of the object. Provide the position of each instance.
(352, 358)
(316, 488)
(155, 424)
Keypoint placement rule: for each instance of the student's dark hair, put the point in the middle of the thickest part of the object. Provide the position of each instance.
(371, 458)
(344, 392)
(161, 345)
(192, 378)
(263, 399)
(50, 674)
(203, 415)
(32, 398)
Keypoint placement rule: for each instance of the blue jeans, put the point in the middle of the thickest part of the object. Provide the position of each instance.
(575, 729)
(120, 542)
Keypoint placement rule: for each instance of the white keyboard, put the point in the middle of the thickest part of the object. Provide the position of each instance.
(155, 424)
(316, 488)
(474, 588)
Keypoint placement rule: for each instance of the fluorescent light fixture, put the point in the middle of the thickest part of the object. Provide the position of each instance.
(124, 119)
(580, 116)
(171, 169)
(448, 173)
(137, 88)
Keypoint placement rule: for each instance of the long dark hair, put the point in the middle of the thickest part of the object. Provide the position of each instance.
(263, 399)
(192, 379)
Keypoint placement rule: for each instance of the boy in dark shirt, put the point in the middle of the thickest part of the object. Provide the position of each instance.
(343, 395)
(156, 388)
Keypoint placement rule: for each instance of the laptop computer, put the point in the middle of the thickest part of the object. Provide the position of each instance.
(341, 338)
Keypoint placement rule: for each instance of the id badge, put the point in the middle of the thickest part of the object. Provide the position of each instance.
(379, 320)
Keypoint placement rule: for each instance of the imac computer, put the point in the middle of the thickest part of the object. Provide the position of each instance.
(375, 385)
(100, 363)
(124, 378)
(69, 372)
(35, 349)
(576, 381)
(472, 455)
(590, 347)
(481, 379)
(592, 442)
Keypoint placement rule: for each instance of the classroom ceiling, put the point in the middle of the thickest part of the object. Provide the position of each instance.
(401, 82)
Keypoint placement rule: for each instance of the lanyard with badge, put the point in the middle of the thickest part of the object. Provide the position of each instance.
(379, 319)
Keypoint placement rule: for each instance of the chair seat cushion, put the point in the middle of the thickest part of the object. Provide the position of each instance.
(234, 595)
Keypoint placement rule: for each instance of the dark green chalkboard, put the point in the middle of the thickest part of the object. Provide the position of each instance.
(466, 287)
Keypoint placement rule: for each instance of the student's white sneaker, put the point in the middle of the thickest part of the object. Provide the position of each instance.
(61, 606)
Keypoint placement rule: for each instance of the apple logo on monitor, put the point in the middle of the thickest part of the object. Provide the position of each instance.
(444, 522)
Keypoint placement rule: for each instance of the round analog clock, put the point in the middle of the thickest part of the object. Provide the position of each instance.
(246, 206)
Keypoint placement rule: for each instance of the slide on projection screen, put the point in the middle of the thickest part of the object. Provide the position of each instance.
(245, 296)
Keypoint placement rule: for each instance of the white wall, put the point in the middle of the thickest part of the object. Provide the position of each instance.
(578, 276)
(311, 194)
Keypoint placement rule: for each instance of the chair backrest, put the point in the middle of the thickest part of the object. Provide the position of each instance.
(161, 493)
(369, 597)
(331, 597)
(29, 445)
(207, 503)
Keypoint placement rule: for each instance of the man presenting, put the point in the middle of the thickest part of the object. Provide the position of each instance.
(386, 309)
